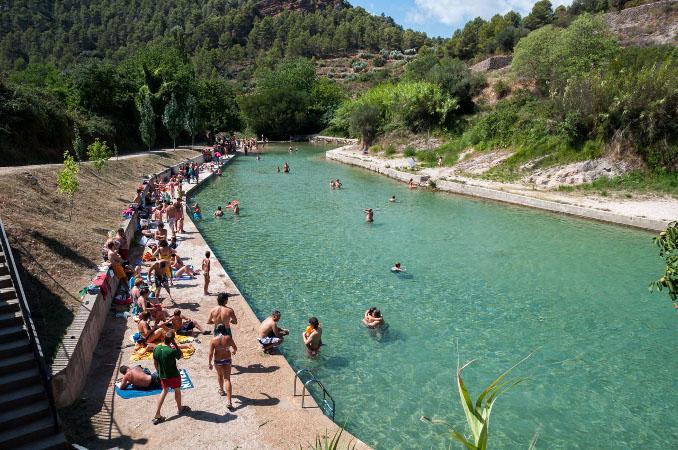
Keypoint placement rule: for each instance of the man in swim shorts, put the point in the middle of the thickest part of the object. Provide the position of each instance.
(183, 325)
(270, 335)
(165, 358)
(142, 379)
(222, 314)
(222, 349)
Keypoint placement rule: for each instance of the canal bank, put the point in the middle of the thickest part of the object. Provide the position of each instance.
(647, 215)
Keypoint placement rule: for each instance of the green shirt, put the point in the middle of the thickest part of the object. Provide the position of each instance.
(166, 357)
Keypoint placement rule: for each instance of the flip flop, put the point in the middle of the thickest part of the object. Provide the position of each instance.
(222, 393)
(184, 409)
(157, 420)
(230, 408)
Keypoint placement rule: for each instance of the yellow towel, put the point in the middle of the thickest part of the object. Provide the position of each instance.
(187, 352)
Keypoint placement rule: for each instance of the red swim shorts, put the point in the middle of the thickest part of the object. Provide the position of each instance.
(171, 383)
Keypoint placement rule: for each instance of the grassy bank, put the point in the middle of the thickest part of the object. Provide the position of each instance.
(637, 182)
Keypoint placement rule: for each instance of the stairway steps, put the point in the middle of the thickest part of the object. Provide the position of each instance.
(17, 380)
(27, 433)
(6, 281)
(22, 396)
(4, 269)
(9, 319)
(19, 417)
(17, 362)
(7, 293)
(13, 332)
(8, 306)
(15, 347)
(53, 442)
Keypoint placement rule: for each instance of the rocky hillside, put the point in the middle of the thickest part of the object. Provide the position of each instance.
(645, 25)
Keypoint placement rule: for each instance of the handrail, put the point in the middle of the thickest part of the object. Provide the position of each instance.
(45, 373)
(312, 380)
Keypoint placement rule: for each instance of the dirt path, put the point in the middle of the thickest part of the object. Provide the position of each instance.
(267, 415)
(27, 168)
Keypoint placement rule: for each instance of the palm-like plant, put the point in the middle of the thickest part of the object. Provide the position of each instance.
(478, 413)
(327, 443)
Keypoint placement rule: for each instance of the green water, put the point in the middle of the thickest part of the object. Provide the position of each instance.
(498, 281)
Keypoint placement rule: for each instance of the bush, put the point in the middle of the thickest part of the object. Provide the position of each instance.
(410, 152)
(426, 156)
(501, 89)
(390, 150)
(379, 61)
(358, 65)
(376, 149)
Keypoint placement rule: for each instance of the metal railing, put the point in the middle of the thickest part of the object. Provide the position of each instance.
(313, 380)
(45, 373)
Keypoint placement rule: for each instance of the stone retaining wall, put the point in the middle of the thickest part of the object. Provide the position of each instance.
(501, 196)
(74, 356)
(332, 140)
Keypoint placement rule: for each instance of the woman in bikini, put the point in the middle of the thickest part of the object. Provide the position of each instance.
(220, 352)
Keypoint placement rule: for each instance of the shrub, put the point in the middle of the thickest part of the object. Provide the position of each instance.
(358, 65)
(379, 61)
(390, 150)
(501, 89)
(409, 152)
(426, 156)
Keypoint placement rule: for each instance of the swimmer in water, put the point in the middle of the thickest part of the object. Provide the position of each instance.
(397, 268)
(332, 185)
(411, 185)
(372, 318)
(337, 184)
(286, 167)
(236, 209)
(219, 212)
(369, 215)
(392, 199)
(278, 169)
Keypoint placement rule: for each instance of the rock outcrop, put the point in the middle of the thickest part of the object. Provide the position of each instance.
(650, 24)
(493, 63)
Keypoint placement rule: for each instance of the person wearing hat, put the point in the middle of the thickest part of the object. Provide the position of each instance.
(222, 313)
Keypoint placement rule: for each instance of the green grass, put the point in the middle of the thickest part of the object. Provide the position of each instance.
(633, 182)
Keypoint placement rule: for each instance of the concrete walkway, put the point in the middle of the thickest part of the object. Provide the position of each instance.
(267, 415)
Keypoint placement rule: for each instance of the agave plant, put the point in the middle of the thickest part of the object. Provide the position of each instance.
(327, 443)
(478, 413)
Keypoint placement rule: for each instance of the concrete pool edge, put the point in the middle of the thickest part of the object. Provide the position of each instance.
(311, 418)
(341, 155)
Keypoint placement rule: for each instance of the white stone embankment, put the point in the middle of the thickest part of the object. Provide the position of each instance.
(617, 212)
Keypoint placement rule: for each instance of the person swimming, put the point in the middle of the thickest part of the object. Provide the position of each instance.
(372, 318)
(337, 184)
(286, 167)
(369, 215)
(219, 212)
(392, 199)
(398, 268)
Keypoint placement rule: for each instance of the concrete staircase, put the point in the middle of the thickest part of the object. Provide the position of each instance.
(28, 418)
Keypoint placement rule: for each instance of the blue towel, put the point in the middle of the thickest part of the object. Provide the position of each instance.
(130, 392)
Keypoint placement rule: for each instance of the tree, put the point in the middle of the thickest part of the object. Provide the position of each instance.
(191, 117)
(78, 145)
(98, 154)
(147, 122)
(365, 121)
(541, 15)
(173, 120)
(667, 241)
(67, 180)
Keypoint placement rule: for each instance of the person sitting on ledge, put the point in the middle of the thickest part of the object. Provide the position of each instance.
(142, 379)
(161, 232)
(116, 262)
(181, 268)
(183, 325)
(270, 335)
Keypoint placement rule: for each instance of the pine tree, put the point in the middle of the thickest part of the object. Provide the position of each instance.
(191, 119)
(147, 123)
(172, 119)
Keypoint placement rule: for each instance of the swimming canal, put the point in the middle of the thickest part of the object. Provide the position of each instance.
(484, 281)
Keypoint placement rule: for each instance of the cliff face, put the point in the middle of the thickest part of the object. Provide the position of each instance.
(649, 24)
(275, 7)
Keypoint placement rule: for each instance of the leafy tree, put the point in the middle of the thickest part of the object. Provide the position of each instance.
(78, 145)
(67, 180)
(218, 105)
(534, 56)
(98, 153)
(191, 117)
(147, 120)
(667, 241)
(173, 120)
(541, 15)
(365, 121)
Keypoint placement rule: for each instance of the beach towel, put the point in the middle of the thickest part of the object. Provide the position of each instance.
(130, 392)
(187, 352)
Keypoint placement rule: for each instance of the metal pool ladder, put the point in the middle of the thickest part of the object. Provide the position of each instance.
(327, 398)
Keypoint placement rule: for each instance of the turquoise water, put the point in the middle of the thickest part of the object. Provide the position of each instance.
(495, 281)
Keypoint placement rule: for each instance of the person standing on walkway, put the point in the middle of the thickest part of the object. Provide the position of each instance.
(165, 359)
(206, 265)
(221, 355)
